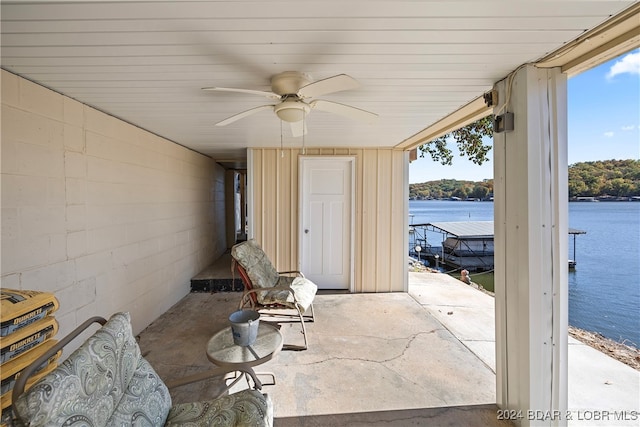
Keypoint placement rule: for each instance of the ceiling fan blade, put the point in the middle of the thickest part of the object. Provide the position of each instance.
(329, 85)
(298, 128)
(344, 110)
(248, 91)
(244, 114)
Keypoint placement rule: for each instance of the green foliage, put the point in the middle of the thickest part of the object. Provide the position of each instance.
(618, 178)
(615, 178)
(469, 142)
(447, 188)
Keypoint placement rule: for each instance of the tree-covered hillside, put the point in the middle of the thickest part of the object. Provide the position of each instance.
(614, 178)
(447, 188)
(619, 178)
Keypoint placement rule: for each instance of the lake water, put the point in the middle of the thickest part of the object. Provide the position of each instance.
(604, 289)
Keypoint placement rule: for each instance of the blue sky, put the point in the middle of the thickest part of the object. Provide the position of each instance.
(603, 116)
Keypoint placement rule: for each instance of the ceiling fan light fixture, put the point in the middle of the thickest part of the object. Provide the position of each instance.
(292, 111)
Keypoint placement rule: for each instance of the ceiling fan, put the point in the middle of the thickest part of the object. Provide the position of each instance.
(292, 89)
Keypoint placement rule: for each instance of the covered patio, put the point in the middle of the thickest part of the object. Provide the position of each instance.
(426, 357)
(373, 359)
(118, 187)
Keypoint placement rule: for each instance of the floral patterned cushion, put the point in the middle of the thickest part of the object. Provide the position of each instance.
(255, 262)
(304, 290)
(145, 402)
(105, 382)
(243, 409)
(263, 275)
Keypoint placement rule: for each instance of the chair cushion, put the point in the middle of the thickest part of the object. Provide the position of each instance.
(304, 290)
(245, 408)
(146, 401)
(256, 263)
(98, 384)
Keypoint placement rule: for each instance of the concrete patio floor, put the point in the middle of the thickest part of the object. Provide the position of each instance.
(422, 358)
(374, 359)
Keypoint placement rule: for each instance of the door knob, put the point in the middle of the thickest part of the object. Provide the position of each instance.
(306, 231)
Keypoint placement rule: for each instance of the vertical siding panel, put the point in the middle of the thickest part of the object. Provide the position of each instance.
(280, 191)
(403, 221)
(295, 212)
(274, 179)
(270, 204)
(364, 212)
(370, 218)
(285, 215)
(359, 233)
(256, 194)
(384, 204)
(256, 178)
(379, 253)
(276, 205)
(259, 196)
(392, 220)
(398, 222)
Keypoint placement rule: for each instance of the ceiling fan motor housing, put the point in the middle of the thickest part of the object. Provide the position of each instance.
(289, 82)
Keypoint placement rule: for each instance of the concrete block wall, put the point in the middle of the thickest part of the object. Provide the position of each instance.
(103, 214)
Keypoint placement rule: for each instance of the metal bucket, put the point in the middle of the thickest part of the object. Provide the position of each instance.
(244, 326)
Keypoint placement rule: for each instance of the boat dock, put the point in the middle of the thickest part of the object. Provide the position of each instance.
(460, 245)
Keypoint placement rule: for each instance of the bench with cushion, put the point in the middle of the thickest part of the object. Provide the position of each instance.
(107, 382)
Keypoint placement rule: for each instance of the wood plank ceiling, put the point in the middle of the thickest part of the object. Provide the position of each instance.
(146, 61)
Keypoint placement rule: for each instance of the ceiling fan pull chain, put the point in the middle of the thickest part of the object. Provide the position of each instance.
(281, 146)
(304, 126)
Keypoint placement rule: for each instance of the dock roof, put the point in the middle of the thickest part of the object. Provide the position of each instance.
(466, 229)
(473, 229)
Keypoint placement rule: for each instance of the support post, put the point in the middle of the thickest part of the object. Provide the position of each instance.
(531, 247)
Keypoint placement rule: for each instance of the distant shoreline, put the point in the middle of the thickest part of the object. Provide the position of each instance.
(573, 200)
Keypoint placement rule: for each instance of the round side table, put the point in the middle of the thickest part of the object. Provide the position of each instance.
(223, 352)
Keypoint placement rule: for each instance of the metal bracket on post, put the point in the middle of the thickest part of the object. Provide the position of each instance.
(503, 123)
(490, 98)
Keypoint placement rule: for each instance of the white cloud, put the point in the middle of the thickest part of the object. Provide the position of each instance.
(608, 134)
(628, 64)
(628, 128)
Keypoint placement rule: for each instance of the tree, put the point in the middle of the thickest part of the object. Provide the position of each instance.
(479, 192)
(618, 187)
(460, 192)
(605, 177)
(468, 140)
(585, 179)
(576, 186)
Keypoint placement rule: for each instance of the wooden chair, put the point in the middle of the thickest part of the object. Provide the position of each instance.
(267, 289)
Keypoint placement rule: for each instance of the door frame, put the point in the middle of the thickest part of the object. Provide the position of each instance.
(352, 214)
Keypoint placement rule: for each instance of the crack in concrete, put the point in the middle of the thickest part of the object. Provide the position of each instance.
(409, 340)
(383, 362)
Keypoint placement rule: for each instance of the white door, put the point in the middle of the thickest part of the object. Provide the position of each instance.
(327, 220)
